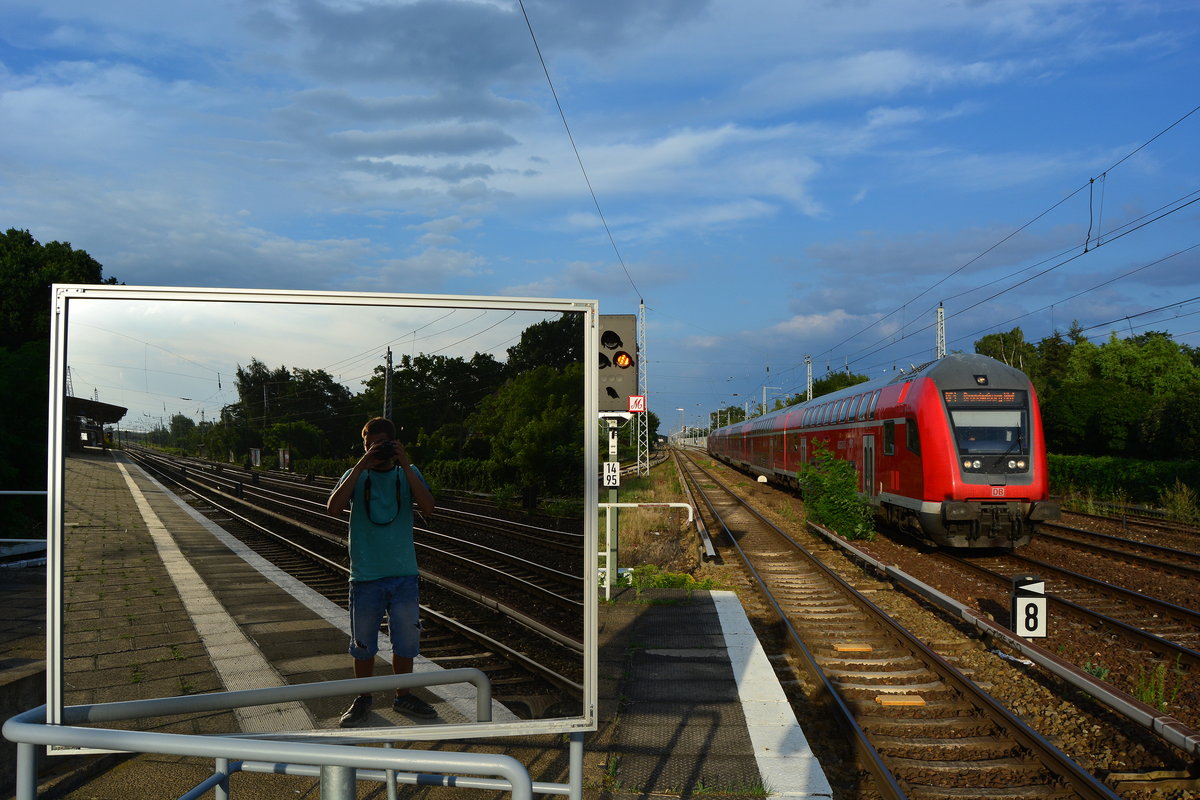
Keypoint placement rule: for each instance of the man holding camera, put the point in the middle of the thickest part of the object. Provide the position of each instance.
(381, 491)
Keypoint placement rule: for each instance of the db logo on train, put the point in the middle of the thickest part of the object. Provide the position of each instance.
(997, 491)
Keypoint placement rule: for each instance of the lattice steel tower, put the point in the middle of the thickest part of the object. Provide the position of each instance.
(643, 419)
(941, 331)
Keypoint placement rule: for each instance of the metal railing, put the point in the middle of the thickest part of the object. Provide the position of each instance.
(339, 765)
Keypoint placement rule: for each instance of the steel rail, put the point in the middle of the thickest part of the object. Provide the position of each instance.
(1125, 548)
(1071, 773)
(886, 783)
(451, 623)
(1148, 639)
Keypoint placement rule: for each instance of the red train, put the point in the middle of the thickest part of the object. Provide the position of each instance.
(951, 451)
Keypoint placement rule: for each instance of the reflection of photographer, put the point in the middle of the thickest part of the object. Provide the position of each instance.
(381, 491)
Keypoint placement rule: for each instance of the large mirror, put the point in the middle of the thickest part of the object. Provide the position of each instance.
(196, 437)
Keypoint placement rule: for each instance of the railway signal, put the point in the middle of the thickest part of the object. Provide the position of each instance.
(618, 376)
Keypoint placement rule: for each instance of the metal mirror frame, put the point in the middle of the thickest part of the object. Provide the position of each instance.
(62, 296)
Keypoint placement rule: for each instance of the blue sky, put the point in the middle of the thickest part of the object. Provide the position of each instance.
(780, 177)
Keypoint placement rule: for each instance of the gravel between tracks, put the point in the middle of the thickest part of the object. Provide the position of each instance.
(1104, 742)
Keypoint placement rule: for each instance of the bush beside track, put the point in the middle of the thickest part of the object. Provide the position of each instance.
(1126, 478)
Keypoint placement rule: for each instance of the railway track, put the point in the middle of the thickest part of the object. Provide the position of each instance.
(1138, 527)
(1184, 563)
(920, 726)
(1145, 626)
(533, 658)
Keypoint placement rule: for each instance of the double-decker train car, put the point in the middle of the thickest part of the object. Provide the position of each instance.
(952, 451)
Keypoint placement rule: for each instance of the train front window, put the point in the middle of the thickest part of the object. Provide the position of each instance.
(990, 431)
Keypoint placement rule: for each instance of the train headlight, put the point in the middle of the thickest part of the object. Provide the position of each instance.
(1021, 464)
(966, 463)
(977, 463)
(1012, 464)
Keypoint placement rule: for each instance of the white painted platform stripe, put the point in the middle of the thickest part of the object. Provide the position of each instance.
(236, 659)
(785, 760)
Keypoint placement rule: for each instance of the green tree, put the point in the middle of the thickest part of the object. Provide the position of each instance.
(1011, 348)
(27, 270)
(826, 384)
(731, 414)
(432, 391)
(1053, 356)
(183, 430)
(302, 439)
(260, 390)
(1125, 397)
(534, 430)
(552, 343)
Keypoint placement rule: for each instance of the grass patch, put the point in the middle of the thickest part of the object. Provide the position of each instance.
(1180, 502)
(654, 536)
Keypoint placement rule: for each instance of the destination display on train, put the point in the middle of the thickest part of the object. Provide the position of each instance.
(984, 397)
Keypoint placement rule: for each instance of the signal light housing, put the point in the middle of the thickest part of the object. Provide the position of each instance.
(618, 377)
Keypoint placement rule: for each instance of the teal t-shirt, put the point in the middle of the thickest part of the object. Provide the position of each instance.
(381, 544)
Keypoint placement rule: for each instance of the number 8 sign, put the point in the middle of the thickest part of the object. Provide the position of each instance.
(1029, 607)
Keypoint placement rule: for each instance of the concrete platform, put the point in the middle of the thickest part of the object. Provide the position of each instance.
(159, 603)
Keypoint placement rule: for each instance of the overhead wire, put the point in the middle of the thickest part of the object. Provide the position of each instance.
(1012, 234)
(578, 157)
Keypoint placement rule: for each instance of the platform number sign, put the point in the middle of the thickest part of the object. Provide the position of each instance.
(1029, 607)
(612, 474)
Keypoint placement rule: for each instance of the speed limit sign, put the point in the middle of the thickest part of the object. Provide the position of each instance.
(1029, 607)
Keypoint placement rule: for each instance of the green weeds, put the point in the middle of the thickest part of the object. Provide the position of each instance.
(1151, 688)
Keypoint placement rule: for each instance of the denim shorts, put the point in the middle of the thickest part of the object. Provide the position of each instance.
(370, 601)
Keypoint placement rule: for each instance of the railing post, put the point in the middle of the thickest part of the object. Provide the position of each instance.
(221, 790)
(390, 774)
(27, 770)
(337, 783)
(610, 560)
(575, 768)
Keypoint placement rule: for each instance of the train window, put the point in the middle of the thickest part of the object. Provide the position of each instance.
(912, 436)
(874, 402)
(990, 431)
(854, 403)
(836, 416)
(889, 437)
(807, 418)
(825, 409)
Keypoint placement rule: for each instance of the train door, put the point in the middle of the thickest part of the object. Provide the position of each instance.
(868, 465)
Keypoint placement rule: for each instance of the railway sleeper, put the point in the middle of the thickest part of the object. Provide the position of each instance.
(934, 708)
(881, 676)
(987, 772)
(972, 749)
(994, 793)
(930, 691)
(928, 727)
